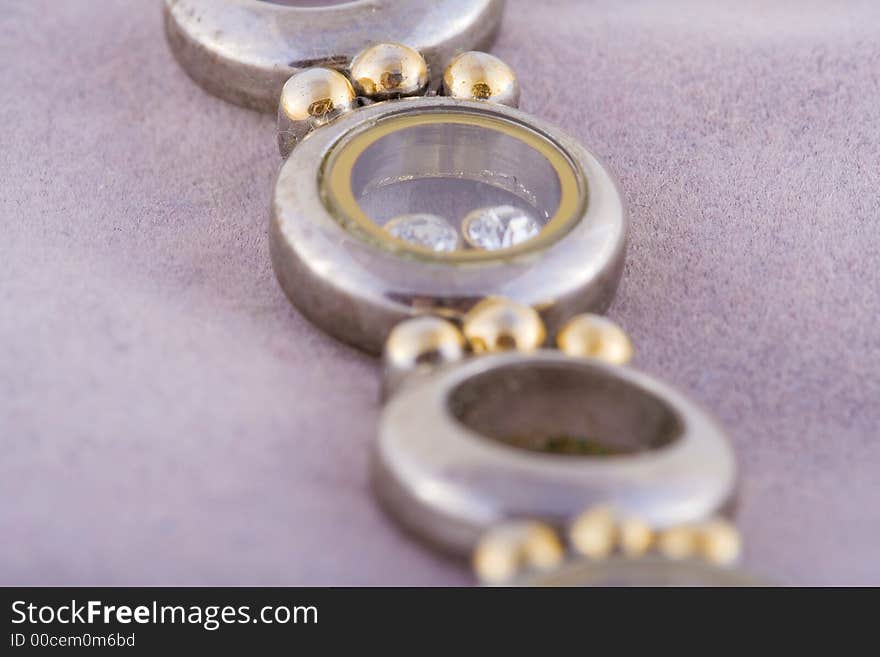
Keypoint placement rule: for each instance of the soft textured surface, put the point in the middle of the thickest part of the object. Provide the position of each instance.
(167, 418)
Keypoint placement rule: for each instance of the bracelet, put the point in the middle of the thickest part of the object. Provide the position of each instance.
(424, 217)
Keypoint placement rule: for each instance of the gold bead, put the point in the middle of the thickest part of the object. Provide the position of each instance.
(635, 537)
(594, 532)
(678, 542)
(508, 549)
(594, 336)
(481, 76)
(720, 543)
(420, 343)
(423, 340)
(389, 70)
(310, 99)
(497, 324)
(543, 548)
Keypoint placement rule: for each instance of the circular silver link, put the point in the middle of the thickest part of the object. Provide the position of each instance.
(358, 290)
(245, 50)
(458, 450)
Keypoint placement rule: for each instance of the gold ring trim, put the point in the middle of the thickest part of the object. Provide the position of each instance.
(338, 197)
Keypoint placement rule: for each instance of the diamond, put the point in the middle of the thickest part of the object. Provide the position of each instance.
(499, 227)
(426, 230)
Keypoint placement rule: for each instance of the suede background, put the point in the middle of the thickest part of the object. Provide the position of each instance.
(166, 417)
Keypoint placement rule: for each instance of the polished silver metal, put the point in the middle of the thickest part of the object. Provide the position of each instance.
(245, 50)
(357, 290)
(464, 448)
(643, 572)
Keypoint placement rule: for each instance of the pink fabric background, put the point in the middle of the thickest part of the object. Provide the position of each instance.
(167, 418)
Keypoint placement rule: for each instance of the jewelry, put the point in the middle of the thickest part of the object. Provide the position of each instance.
(476, 437)
(424, 217)
(356, 279)
(608, 550)
(245, 50)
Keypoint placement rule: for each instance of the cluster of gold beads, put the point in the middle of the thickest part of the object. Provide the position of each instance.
(384, 71)
(493, 325)
(514, 548)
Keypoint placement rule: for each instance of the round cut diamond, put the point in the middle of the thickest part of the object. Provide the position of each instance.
(499, 227)
(426, 230)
